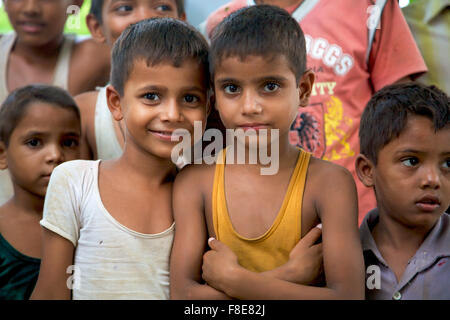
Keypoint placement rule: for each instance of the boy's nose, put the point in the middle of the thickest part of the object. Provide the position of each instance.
(54, 154)
(251, 104)
(31, 7)
(171, 112)
(431, 178)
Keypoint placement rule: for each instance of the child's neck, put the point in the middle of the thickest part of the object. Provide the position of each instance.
(40, 53)
(26, 202)
(140, 165)
(399, 237)
(284, 156)
(280, 3)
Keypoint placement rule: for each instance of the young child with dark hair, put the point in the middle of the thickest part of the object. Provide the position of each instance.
(38, 52)
(258, 66)
(111, 221)
(355, 48)
(39, 129)
(405, 158)
(102, 136)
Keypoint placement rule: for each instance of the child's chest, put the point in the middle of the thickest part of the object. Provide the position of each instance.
(23, 234)
(147, 211)
(22, 72)
(256, 204)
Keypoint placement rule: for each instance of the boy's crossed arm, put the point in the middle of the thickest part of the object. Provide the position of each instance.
(304, 265)
(341, 249)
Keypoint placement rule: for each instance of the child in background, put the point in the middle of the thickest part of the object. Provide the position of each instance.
(112, 220)
(102, 136)
(38, 52)
(258, 67)
(355, 48)
(39, 129)
(405, 158)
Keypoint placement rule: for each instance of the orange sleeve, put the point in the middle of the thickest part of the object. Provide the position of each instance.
(224, 11)
(394, 52)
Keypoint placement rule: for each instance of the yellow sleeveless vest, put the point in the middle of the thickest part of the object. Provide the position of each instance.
(272, 249)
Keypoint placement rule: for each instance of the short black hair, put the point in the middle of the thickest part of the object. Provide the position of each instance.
(157, 40)
(261, 30)
(97, 7)
(14, 107)
(386, 114)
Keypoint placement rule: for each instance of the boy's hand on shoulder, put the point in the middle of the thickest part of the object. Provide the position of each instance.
(219, 264)
(305, 264)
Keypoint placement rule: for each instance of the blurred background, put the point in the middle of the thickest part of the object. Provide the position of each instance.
(196, 10)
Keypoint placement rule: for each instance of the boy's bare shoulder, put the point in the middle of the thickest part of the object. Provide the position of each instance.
(94, 59)
(196, 176)
(323, 173)
(86, 101)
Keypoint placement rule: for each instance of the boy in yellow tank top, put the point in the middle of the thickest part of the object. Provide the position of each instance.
(259, 77)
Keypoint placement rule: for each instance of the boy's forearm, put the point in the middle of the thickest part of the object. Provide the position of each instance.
(199, 292)
(244, 284)
(285, 273)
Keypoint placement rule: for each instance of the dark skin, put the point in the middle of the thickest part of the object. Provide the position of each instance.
(44, 138)
(116, 17)
(34, 56)
(145, 168)
(409, 168)
(270, 95)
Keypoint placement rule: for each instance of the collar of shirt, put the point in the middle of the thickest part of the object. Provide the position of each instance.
(435, 245)
(433, 8)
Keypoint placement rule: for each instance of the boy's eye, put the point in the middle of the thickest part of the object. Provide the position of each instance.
(410, 162)
(124, 8)
(70, 143)
(271, 87)
(164, 8)
(33, 143)
(447, 164)
(151, 96)
(231, 89)
(189, 98)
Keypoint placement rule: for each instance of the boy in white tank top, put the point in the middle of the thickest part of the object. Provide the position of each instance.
(102, 136)
(111, 221)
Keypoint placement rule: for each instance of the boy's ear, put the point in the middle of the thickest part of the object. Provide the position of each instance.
(182, 17)
(3, 162)
(305, 86)
(95, 28)
(114, 105)
(365, 170)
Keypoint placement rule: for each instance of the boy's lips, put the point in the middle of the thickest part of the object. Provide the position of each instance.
(163, 135)
(31, 26)
(428, 203)
(253, 126)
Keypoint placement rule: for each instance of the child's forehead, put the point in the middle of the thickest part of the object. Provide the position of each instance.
(257, 62)
(188, 70)
(41, 111)
(109, 3)
(419, 134)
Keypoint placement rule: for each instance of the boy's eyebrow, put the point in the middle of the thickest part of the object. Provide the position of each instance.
(42, 133)
(163, 88)
(262, 79)
(417, 151)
